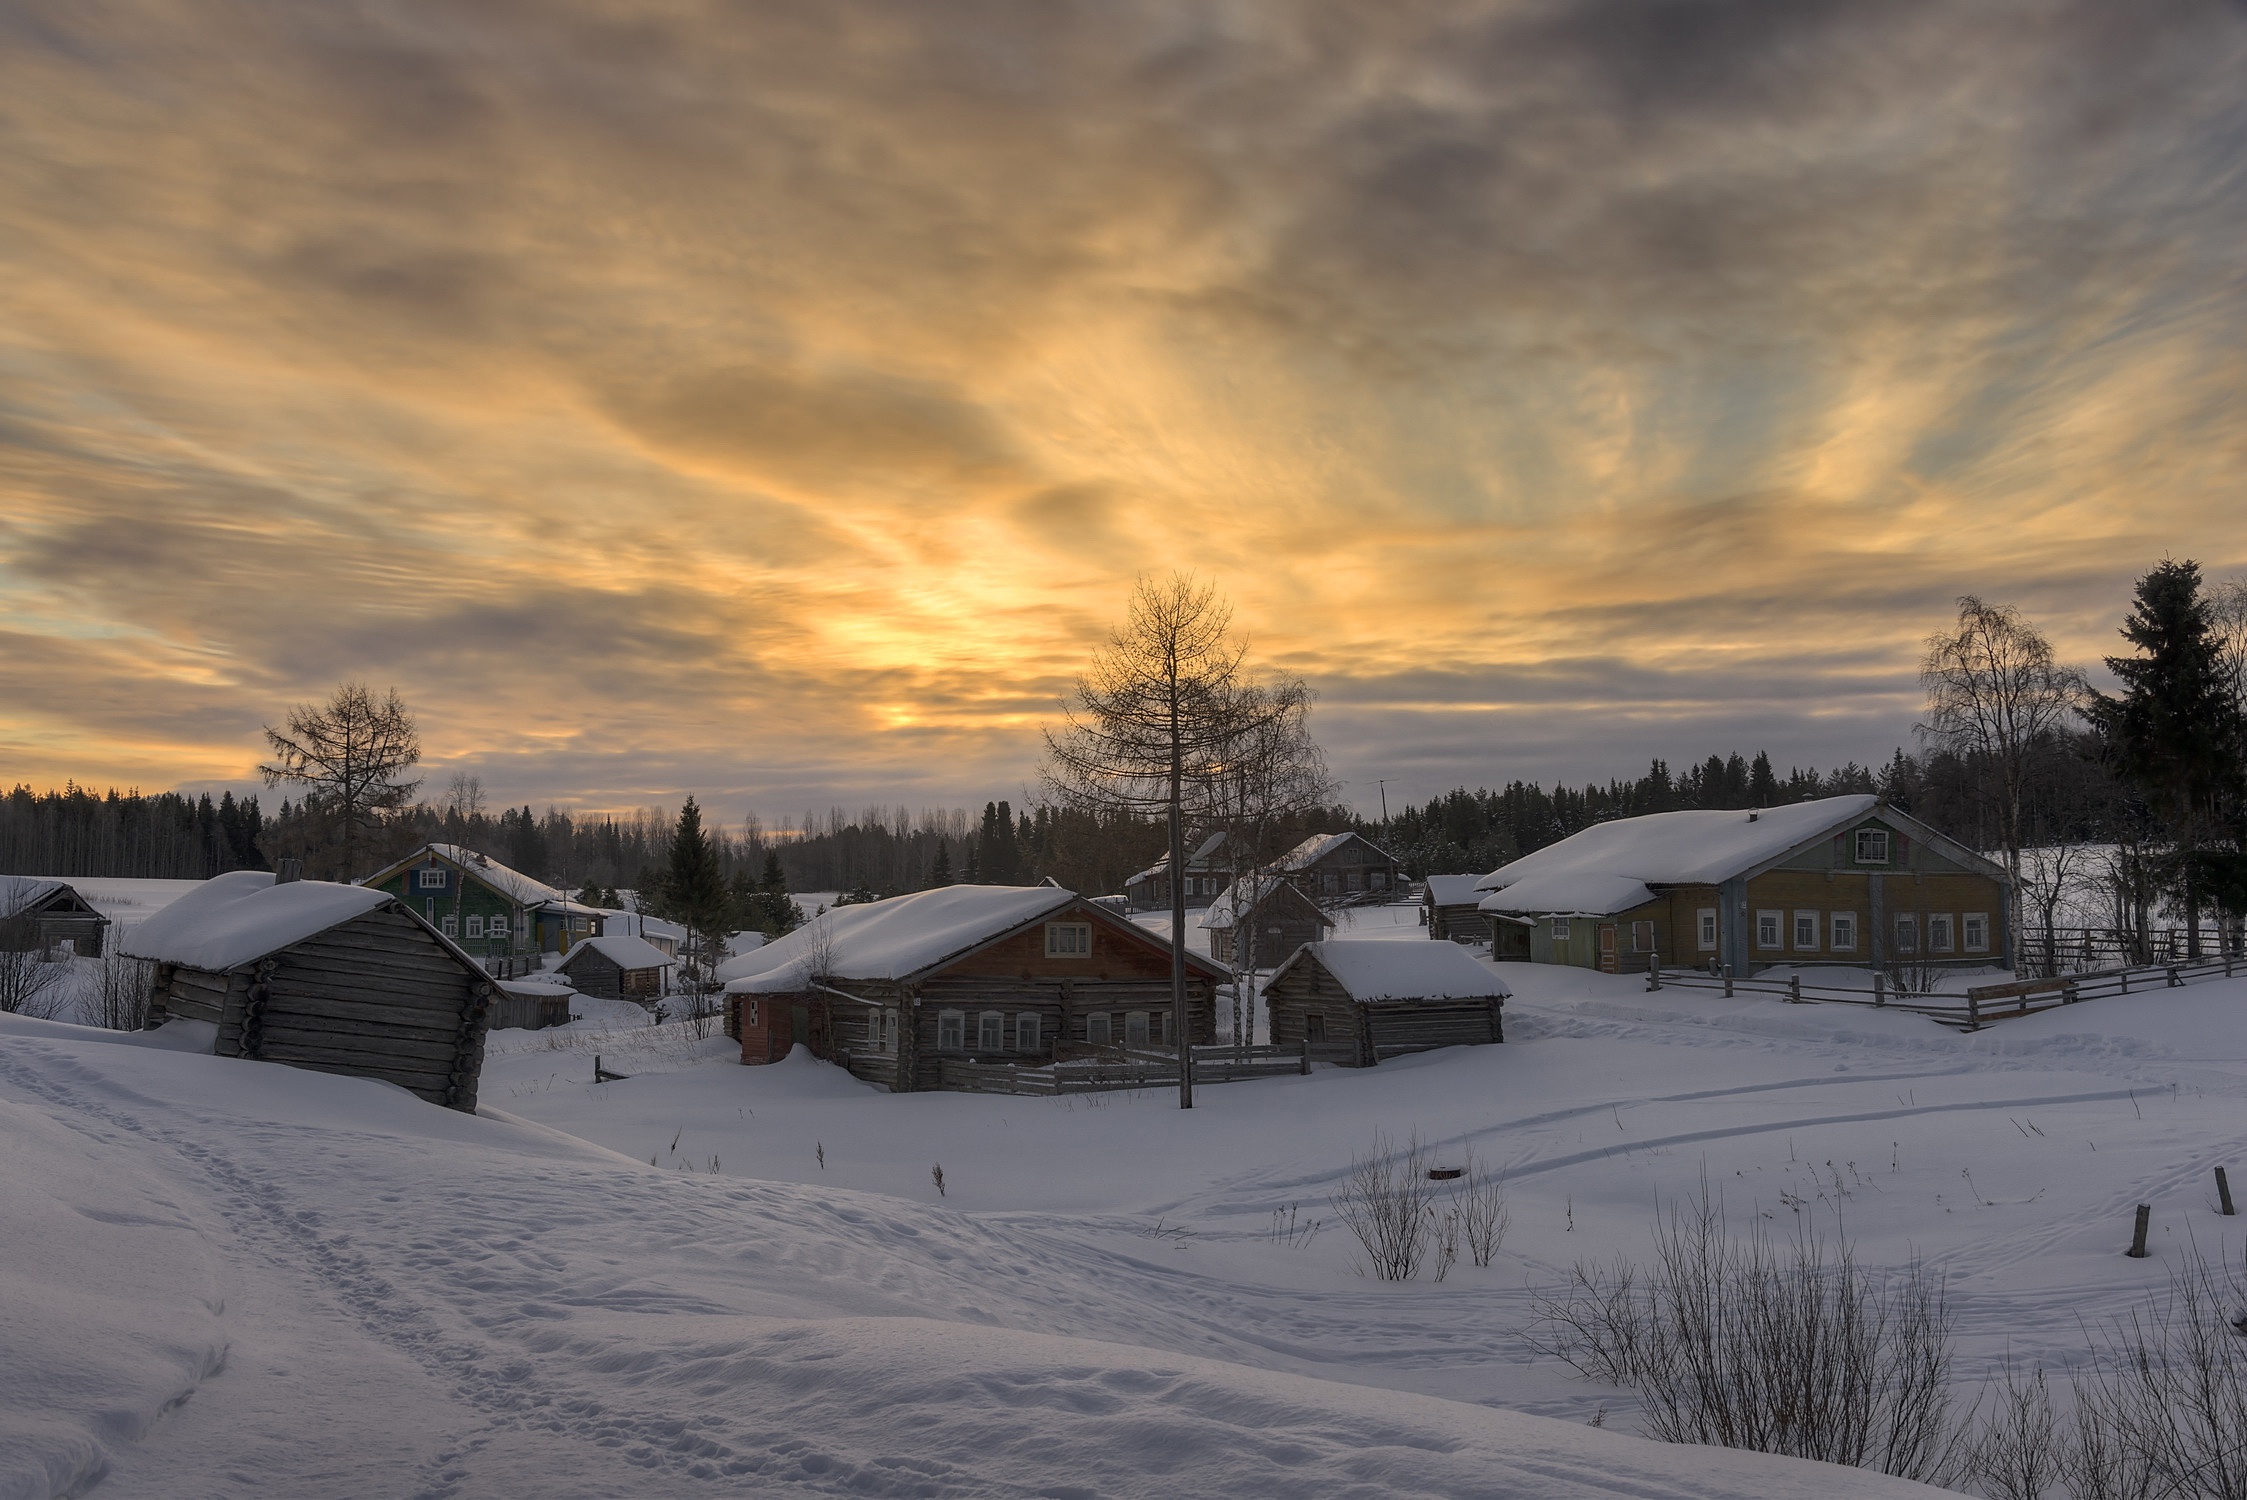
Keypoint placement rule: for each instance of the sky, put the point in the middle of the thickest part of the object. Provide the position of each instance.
(777, 401)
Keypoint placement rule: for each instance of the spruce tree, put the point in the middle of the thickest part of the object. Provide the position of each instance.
(940, 871)
(1763, 785)
(694, 885)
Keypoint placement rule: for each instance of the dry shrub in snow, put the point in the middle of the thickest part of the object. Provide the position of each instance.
(29, 985)
(121, 992)
(1743, 1344)
(1481, 1205)
(1388, 1203)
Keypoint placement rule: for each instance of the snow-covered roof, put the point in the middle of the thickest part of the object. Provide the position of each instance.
(1199, 854)
(640, 924)
(1391, 969)
(746, 942)
(621, 949)
(537, 989)
(240, 917)
(1698, 847)
(1568, 893)
(894, 939)
(514, 884)
(1315, 848)
(21, 892)
(1454, 890)
(1244, 896)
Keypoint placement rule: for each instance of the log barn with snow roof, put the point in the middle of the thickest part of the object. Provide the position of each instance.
(39, 916)
(1454, 909)
(1356, 1002)
(338, 978)
(1341, 869)
(893, 989)
(1259, 920)
(1840, 880)
(616, 968)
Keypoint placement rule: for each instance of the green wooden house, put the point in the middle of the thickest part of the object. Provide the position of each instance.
(488, 909)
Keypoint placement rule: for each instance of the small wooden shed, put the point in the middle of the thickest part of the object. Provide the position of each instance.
(1260, 920)
(531, 1005)
(616, 968)
(38, 915)
(338, 978)
(1356, 1002)
(1452, 902)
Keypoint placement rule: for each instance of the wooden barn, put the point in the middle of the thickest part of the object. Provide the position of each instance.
(531, 1005)
(616, 968)
(1452, 903)
(1342, 869)
(338, 978)
(39, 916)
(1275, 917)
(894, 989)
(1357, 1002)
(1149, 890)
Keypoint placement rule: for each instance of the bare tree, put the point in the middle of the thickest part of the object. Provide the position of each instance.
(1161, 702)
(123, 988)
(348, 755)
(29, 985)
(1996, 696)
(2050, 883)
(464, 797)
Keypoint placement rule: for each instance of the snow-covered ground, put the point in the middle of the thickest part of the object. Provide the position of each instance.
(364, 1295)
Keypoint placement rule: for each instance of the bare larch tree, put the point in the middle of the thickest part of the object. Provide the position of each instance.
(1996, 699)
(348, 755)
(1161, 703)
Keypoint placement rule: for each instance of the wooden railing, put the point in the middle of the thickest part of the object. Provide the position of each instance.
(2066, 950)
(1978, 1005)
(1101, 1069)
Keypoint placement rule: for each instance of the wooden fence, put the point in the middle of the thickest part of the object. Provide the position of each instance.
(1110, 1068)
(2066, 950)
(1979, 1005)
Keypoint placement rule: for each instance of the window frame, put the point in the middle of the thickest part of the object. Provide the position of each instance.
(1907, 932)
(1643, 929)
(1560, 929)
(1705, 923)
(1942, 932)
(1817, 929)
(476, 924)
(429, 878)
(1841, 931)
(1974, 932)
(1139, 1028)
(990, 1031)
(951, 1031)
(449, 925)
(1869, 839)
(1771, 931)
(1056, 947)
(1100, 1022)
(1029, 1031)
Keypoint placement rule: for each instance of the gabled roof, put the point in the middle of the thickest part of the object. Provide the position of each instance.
(906, 936)
(1454, 890)
(20, 893)
(1568, 893)
(240, 917)
(1372, 969)
(513, 884)
(1698, 847)
(621, 949)
(1244, 895)
(1197, 857)
(1317, 847)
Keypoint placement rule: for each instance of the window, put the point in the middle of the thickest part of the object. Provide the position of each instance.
(1330, 881)
(1907, 933)
(475, 926)
(430, 877)
(1767, 929)
(749, 1017)
(1560, 929)
(1707, 916)
(429, 908)
(1939, 930)
(1843, 925)
(581, 924)
(1135, 1028)
(990, 1031)
(1642, 937)
(1028, 1034)
(1068, 939)
(1977, 925)
(452, 927)
(881, 1030)
(1806, 932)
(951, 1031)
(1314, 1027)
(1872, 846)
(1380, 880)
(1098, 1030)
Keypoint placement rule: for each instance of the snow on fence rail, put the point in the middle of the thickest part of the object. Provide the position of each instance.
(1121, 1068)
(1980, 1005)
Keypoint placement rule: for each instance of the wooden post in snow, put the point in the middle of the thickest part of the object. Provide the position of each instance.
(1880, 988)
(2223, 1192)
(2137, 1249)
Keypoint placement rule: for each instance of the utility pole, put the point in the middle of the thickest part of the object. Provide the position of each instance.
(1384, 786)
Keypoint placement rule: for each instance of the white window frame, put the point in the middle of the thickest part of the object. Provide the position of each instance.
(475, 925)
(450, 925)
(1974, 932)
(429, 878)
(1068, 940)
(951, 1031)
(1560, 929)
(1841, 929)
(990, 1031)
(1770, 930)
(1907, 932)
(1942, 932)
(1139, 1029)
(1099, 1029)
(1645, 929)
(1029, 1032)
(1812, 918)
(1874, 846)
(1705, 921)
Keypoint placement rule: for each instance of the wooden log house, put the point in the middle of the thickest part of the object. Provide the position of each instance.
(337, 978)
(1452, 903)
(893, 989)
(616, 968)
(1261, 919)
(1357, 1002)
(39, 916)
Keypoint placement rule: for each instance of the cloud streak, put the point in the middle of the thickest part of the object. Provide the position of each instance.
(777, 403)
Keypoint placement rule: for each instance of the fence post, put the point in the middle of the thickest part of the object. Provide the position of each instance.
(1728, 981)
(2137, 1249)
(2174, 982)
(1973, 1011)
(1306, 1054)
(1653, 971)
(1880, 988)
(2223, 1192)
(1794, 989)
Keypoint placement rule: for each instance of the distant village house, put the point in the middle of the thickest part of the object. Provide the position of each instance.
(1259, 920)
(1357, 1002)
(488, 909)
(41, 916)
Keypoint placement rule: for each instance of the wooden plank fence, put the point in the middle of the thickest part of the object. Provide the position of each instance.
(1979, 1005)
(1111, 1068)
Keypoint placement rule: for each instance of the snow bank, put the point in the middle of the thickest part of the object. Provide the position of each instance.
(1696, 847)
(238, 917)
(895, 938)
(1377, 969)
